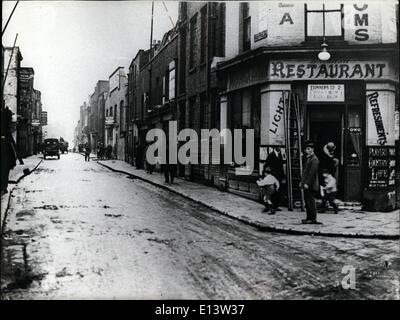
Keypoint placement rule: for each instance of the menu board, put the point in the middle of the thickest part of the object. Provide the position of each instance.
(381, 167)
(325, 92)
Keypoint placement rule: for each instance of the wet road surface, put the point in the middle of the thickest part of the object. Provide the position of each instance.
(76, 230)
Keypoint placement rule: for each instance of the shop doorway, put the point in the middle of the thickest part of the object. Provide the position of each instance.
(325, 124)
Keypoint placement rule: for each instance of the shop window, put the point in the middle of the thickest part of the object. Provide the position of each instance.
(236, 108)
(354, 139)
(241, 109)
(242, 113)
(246, 109)
(324, 19)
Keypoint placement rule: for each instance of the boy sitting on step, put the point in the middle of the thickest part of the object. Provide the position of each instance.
(268, 185)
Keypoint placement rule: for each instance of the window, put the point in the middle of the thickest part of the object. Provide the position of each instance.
(216, 111)
(142, 102)
(111, 111)
(122, 116)
(241, 110)
(246, 26)
(172, 80)
(324, 19)
(164, 94)
(158, 93)
(204, 115)
(135, 109)
(354, 135)
(193, 42)
(182, 63)
(245, 109)
(203, 34)
(115, 112)
(217, 29)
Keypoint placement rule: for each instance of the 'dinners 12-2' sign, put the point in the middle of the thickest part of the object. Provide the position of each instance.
(304, 70)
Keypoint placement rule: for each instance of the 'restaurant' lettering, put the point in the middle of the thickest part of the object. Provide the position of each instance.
(281, 70)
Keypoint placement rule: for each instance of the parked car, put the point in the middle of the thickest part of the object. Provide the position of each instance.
(51, 148)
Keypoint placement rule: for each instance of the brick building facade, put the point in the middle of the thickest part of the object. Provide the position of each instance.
(97, 113)
(115, 113)
(201, 28)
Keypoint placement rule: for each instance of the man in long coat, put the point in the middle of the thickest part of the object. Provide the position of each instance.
(310, 183)
(8, 155)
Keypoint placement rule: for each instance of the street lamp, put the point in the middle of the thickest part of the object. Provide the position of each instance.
(323, 55)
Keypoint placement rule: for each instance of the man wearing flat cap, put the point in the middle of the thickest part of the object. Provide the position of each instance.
(310, 182)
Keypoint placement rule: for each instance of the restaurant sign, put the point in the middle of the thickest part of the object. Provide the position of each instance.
(325, 93)
(316, 70)
(380, 118)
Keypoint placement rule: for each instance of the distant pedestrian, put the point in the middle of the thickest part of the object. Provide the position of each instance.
(109, 151)
(275, 162)
(330, 191)
(139, 156)
(100, 152)
(169, 171)
(115, 152)
(149, 166)
(88, 150)
(309, 182)
(269, 185)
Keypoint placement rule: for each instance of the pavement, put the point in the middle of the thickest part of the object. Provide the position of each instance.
(348, 223)
(15, 176)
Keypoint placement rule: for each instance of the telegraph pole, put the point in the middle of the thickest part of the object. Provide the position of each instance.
(9, 18)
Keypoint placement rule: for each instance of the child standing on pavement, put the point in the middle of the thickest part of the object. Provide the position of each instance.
(268, 185)
(330, 190)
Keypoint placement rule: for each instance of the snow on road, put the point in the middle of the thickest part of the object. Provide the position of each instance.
(78, 231)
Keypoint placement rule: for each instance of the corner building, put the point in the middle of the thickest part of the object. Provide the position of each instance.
(275, 81)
